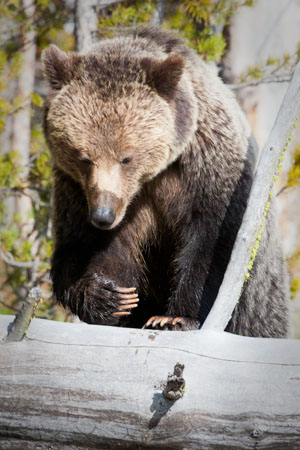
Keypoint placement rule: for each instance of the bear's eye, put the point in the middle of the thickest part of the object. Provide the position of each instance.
(85, 161)
(126, 160)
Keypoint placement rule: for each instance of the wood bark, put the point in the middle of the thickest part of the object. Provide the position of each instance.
(234, 278)
(83, 386)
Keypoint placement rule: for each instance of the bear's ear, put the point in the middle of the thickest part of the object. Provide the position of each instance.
(59, 68)
(163, 75)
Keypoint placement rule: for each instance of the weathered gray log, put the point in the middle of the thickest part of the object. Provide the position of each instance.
(234, 278)
(71, 386)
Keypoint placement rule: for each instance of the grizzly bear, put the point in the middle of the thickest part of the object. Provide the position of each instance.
(153, 164)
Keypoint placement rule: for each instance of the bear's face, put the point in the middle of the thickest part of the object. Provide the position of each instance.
(111, 141)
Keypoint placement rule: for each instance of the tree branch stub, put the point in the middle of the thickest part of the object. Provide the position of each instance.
(23, 318)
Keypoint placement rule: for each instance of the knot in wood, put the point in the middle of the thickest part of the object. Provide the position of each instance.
(175, 383)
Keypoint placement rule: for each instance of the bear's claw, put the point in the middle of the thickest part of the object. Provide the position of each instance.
(128, 300)
(171, 323)
(123, 290)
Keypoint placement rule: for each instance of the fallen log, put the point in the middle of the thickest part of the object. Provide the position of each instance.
(72, 386)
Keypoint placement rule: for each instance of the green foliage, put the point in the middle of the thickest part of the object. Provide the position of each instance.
(196, 21)
(294, 260)
(180, 21)
(15, 64)
(46, 248)
(5, 108)
(41, 171)
(43, 4)
(36, 99)
(217, 12)
(125, 14)
(23, 251)
(294, 270)
(211, 46)
(3, 62)
(8, 7)
(272, 61)
(6, 311)
(293, 179)
(9, 237)
(255, 72)
(2, 211)
(272, 67)
(294, 172)
(10, 170)
(59, 37)
(12, 242)
(295, 286)
(27, 240)
(15, 278)
(201, 23)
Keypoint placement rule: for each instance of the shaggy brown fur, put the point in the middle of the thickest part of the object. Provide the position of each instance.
(153, 167)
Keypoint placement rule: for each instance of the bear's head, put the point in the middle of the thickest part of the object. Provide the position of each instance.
(110, 122)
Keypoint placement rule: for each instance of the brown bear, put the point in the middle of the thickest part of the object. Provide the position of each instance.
(153, 165)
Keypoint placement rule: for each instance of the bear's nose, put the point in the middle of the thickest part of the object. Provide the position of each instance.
(102, 217)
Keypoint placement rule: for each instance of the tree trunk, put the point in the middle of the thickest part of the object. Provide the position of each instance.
(85, 24)
(158, 15)
(71, 386)
(21, 132)
(86, 21)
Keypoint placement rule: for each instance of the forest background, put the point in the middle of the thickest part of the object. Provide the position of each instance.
(214, 28)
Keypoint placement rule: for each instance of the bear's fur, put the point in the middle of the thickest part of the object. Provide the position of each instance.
(152, 171)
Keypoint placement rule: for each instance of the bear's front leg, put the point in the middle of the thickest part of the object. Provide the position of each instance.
(191, 261)
(99, 300)
(97, 289)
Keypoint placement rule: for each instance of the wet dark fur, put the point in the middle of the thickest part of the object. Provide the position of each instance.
(176, 238)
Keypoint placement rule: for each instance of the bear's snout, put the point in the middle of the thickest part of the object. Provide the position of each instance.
(102, 217)
(104, 208)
